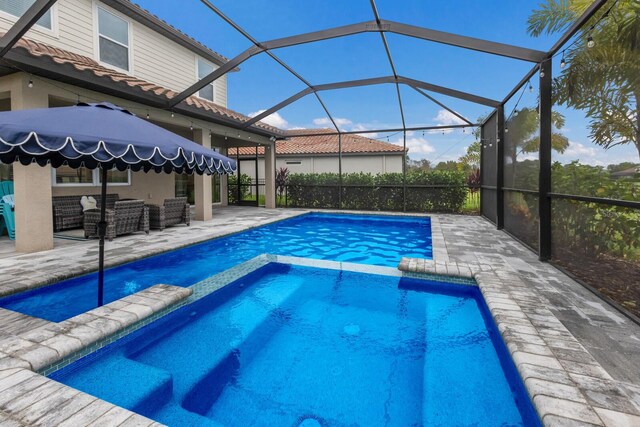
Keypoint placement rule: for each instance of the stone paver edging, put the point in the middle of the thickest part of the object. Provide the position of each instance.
(28, 398)
(567, 385)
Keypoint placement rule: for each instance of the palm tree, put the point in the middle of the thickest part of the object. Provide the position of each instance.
(602, 73)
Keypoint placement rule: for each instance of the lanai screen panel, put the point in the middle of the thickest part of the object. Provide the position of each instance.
(488, 167)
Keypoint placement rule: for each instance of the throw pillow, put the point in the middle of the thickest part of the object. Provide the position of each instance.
(88, 203)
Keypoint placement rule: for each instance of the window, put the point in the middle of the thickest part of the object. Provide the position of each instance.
(113, 39)
(69, 176)
(66, 176)
(17, 8)
(204, 69)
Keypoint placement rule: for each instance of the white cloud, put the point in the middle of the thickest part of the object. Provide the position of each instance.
(274, 119)
(575, 149)
(446, 118)
(418, 147)
(324, 121)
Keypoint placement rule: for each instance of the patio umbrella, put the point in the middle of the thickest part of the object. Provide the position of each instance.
(105, 136)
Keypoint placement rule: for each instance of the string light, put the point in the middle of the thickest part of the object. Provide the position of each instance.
(30, 84)
(173, 114)
(590, 42)
(148, 115)
(563, 63)
(225, 136)
(191, 126)
(541, 74)
(530, 87)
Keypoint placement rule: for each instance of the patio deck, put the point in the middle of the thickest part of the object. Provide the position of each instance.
(609, 337)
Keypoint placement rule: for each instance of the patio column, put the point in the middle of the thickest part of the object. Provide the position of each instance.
(224, 182)
(202, 183)
(32, 183)
(270, 176)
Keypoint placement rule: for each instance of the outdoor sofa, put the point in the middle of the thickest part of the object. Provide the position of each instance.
(127, 216)
(67, 210)
(171, 212)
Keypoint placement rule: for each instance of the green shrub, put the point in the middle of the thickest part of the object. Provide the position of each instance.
(380, 192)
(245, 182)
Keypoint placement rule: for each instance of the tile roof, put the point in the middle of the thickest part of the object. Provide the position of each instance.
(85, 64)
(325, 144)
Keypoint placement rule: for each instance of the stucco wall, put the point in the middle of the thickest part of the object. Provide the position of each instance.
(367, 164)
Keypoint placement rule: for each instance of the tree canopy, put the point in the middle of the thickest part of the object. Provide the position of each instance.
(602, 80)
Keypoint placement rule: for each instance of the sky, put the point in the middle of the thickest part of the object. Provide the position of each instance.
(262, 82)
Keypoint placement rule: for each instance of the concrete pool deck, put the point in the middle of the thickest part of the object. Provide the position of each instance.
(608, 339)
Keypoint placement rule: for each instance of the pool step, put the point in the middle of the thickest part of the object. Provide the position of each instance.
(147, 387)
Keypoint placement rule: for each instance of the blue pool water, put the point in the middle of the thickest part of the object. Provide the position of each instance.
(367, 239)
(289, 346)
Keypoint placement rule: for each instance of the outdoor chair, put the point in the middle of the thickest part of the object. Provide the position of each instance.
(172, 212)
(67, 211)
(7, 217)
(126, 217)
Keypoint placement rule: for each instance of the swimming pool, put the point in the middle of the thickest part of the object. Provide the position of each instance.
(367, 239)
(289, 345)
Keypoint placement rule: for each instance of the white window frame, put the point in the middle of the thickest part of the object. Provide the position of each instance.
(95, 180)
(53, 31)
(97, 35)
(213, 84)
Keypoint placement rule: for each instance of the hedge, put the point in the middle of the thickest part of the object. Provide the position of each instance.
(379, 192)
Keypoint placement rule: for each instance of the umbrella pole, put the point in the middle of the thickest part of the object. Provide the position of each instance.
(102, 231)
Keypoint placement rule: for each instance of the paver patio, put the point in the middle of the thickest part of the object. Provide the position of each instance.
(590, 333)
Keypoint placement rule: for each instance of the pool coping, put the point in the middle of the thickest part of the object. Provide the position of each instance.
(565, 383)
(27, 397)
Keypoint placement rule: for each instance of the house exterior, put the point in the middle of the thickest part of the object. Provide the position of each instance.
(114, 51)
(304, 153)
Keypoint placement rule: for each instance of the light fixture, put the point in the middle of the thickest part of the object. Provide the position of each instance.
(225, 136)
(30, 84)
(590, 42)
(173, 114)
(209, 133)
(530, 87)
(563, 63)
(541, 74)
(238, 134)
(191, 126)
(147, 115)
(506, 130)
(249, 136)
(515, 112)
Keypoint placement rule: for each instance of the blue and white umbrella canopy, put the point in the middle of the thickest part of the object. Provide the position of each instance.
(93, 135)
(106, 136)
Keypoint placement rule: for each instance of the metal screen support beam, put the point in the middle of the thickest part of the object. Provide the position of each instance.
(390, 58)
(260, 47)
(370, 82)
(500, 168)
(432, 99)
(339, 171)
(465, 42)
(380, 26)
(409, 129)
(24, 24)
(544, 182)
(404, 171)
